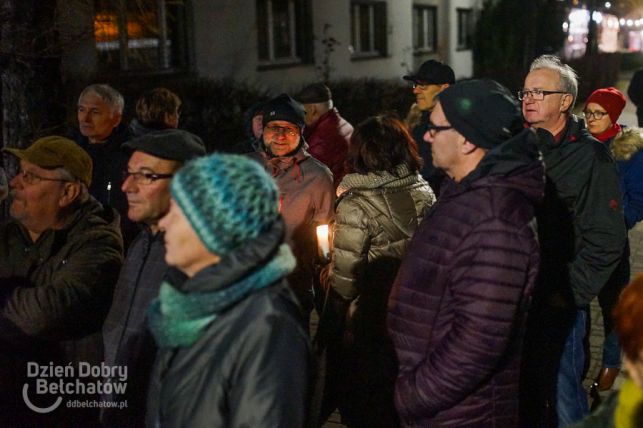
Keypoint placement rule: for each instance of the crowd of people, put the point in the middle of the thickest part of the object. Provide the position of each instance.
(466, 244)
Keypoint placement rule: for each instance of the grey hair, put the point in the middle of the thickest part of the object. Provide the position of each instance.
(108, 94)
(568, 76)
(63, 174)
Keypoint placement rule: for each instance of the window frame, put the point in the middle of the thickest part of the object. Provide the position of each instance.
(299, 34)
(173, 52)
(464, 38)
(377, 31)
(426, 11)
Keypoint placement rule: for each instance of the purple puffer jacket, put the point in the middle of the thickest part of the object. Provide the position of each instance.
(459, 302)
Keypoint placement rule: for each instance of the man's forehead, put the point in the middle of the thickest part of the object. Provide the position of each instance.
(142, 160)
(282, 123)
(92, 99)
(542, 76)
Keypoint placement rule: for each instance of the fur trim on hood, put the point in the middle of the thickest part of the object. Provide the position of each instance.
(627, 143)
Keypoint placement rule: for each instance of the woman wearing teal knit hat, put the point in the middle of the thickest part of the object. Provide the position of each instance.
(232, 349)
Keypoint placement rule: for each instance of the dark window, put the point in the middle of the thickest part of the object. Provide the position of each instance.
(424, 28)
(284, 31)
(141, 35)
(465, 28)
(368, 29)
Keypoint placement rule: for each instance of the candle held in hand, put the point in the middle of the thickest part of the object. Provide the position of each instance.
(322, 240)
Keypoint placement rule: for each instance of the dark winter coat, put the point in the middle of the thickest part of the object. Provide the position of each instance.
(375, 219)
(249, 367)
(125, 335)
(458, 304)
(635, 93)
(55, 293)
(580, 223)
(328, 139)
(627, 150)
(109, 161)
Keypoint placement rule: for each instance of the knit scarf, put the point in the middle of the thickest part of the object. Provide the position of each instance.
(402, 176)
(278, 165)
(178, 319)
(630, 403)
(608, 133)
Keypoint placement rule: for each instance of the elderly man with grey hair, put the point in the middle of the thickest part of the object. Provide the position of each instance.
(60, 254)
(582, 237)
(101, 134)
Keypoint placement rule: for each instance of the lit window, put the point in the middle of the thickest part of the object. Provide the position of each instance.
(153, 35)
(465, 28)
(424, 28)
(368, 29)
(284, 31)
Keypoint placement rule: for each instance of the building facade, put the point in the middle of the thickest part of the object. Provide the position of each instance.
(276, 44)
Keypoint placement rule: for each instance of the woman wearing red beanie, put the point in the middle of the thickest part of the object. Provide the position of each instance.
(602, 110)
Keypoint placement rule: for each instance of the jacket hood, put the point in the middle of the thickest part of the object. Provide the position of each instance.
(515, 164)
(627, 143)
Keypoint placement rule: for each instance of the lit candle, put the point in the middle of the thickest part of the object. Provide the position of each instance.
(322, 240)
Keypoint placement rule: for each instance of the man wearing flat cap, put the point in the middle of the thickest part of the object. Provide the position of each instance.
(431, 79)
(458, 305)
(327, 133)
(154, 160)
(60, 254)
(307, 195)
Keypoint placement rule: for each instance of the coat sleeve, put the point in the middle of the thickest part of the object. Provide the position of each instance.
(269, 388)
(75, 300)
(351, 241)
(324, 198)
(633, 191)
(489, 285)
(602, 234)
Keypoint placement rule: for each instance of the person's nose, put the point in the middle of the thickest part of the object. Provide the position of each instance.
(129, 185)
(427, 137)
(417, 90)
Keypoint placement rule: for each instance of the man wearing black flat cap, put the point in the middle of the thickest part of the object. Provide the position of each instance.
(327, 133)
(458, 306)
(431, 79)
(307, 195)
(155, 158)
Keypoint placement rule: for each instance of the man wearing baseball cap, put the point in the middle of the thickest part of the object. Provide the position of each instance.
(431, 79)
(155, 158)
(458, 306)
(60, 254)
(307, 195)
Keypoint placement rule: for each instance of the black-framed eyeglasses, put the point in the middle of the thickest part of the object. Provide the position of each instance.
(293, 132)
(30, 178)
(433, 129)
(598, 115)
(537, 94)
(420, 86)
(145, 178)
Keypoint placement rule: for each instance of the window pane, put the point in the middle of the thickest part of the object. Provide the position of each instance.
(418, 27)
(281, 28)
(262, 30)
(364, 28)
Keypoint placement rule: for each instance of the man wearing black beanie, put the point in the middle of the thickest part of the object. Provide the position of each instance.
(307, 195)
(459, 302)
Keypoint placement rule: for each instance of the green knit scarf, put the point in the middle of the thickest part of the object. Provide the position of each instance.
(178, 319)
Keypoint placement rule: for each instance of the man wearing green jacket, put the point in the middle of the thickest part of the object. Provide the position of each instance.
(60, 254)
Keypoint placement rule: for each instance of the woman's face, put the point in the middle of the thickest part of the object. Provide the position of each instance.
(594, 124)
(183, 248)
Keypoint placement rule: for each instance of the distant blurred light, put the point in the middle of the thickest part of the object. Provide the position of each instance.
(608, 5)
(629, 22)
(565, 26)
(621, 21)
(597, 17)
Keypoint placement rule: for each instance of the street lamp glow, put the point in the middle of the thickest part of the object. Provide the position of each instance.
(621, 21)
(629, 22)
(608, 5)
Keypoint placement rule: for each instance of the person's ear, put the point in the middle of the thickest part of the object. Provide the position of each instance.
(566, 102)
(71, 191)
(467, 147)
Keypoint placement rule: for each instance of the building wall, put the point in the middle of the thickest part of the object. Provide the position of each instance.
(226, 43)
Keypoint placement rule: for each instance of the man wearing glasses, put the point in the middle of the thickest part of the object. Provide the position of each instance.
(60, 253)
(307, 194)
(459, 303)
(155, 158)
(582, 236)
(431, 79)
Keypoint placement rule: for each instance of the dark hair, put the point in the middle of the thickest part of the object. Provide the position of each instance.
(152, 106)
(628, 318)
(380, 143)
